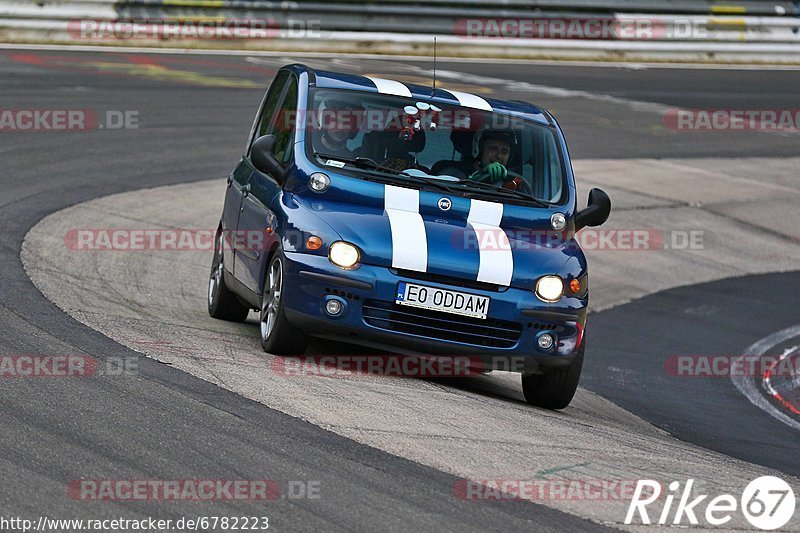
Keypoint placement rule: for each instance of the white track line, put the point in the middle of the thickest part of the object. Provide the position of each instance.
(748, 386)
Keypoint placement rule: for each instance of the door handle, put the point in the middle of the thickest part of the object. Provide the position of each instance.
(246, 190)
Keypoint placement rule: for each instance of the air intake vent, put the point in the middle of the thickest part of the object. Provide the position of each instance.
(447, 327)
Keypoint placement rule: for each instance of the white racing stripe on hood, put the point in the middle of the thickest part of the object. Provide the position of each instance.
(390, 87)
(471, 100)
(409, 239)
(496, 259)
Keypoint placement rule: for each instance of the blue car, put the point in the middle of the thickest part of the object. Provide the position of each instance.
(410, 219)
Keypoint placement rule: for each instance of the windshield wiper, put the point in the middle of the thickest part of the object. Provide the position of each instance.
(363, 162)
(500, 190)
(366, 162)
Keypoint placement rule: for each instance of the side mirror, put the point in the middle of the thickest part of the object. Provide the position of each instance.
(262, 157)
(596, 213)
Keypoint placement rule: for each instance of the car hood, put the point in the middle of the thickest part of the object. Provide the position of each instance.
(465, 241)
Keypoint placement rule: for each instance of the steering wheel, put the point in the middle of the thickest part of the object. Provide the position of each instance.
(401, 164)
(514, 184)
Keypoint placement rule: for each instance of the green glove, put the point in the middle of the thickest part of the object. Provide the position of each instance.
(496, 172)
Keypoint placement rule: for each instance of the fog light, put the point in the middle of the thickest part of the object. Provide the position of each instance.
(334, 307)
(319, 182)
(545, 341)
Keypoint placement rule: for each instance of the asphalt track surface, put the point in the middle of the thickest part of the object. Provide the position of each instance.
(718, 319)
(165, 423)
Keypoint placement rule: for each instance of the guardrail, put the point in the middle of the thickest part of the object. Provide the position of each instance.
(693, 29)
(701, 7)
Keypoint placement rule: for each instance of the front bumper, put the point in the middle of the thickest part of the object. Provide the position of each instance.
(505, 340)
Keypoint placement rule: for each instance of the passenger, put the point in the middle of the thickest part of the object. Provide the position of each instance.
(337, 122)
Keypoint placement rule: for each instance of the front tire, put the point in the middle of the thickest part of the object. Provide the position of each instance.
(222, 303)
(555, 388)
(278, 336)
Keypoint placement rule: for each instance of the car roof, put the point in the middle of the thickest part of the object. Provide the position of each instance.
(352, 82)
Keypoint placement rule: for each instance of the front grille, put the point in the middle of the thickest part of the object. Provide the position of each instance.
(440, 326)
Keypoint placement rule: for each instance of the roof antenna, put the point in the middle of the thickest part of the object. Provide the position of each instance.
(434, 66)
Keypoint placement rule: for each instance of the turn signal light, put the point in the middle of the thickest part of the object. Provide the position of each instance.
(314, 243)
(575, 286)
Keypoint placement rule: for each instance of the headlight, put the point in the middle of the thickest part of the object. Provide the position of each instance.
(549, 288)
(343, 254)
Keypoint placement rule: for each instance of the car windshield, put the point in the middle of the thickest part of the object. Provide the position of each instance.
(382, 134)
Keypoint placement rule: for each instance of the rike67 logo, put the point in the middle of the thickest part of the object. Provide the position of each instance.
(767, 503)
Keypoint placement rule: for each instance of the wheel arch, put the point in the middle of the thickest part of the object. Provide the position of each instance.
(265, 265)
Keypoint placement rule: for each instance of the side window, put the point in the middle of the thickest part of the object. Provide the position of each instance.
(552, 179)
(271, 103)
(284, 126)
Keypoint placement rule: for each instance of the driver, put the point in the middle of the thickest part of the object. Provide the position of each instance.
(491, 156)
(338, 121)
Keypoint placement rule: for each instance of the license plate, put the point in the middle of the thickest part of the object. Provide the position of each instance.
(445, 300)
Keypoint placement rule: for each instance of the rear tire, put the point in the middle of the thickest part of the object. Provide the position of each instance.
(555, 388)
(278, 336)
(222, 303)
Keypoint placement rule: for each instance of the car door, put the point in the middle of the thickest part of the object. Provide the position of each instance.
(239, 181)
(256, 215)
(230, 213)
